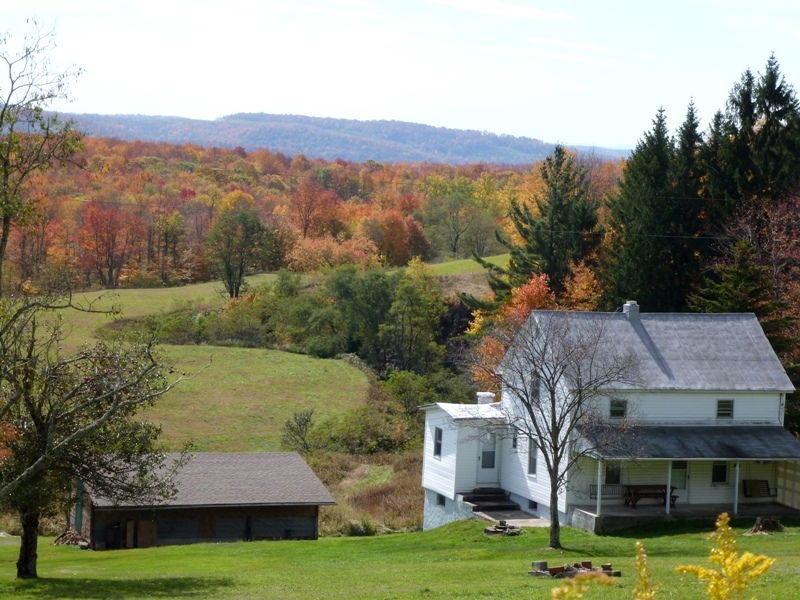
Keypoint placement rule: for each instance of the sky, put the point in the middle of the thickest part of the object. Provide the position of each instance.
(579, 73)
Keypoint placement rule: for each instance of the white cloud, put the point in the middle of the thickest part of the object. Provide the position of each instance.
(504, 9)
(587, 48)
(548, 54)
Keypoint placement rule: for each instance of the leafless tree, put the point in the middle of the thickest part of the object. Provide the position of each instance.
(557, 368)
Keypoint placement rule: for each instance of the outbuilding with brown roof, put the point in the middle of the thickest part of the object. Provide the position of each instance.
(221, 497)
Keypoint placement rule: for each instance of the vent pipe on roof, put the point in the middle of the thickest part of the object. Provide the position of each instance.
(631, 310)
(485, 397)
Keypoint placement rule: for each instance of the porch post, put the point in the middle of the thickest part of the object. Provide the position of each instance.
(794, 482)
(669, 485)
(599, 485)
(736, 491)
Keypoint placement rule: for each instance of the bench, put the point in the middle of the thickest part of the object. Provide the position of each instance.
(758, 488)
(656, 491)
(608, 490)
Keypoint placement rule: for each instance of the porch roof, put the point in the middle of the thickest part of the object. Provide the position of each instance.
(709, 442)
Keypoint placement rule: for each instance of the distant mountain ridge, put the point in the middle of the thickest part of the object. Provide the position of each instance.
(328, 138)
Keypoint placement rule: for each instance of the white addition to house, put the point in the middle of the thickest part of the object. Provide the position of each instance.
(707, 415)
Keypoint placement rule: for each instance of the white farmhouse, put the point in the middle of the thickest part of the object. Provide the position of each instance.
(706, 422)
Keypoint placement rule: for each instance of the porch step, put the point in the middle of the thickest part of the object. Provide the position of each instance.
(489, 499)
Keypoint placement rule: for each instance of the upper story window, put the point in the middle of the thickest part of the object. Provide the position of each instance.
(437, 442)
(619, 409)
(514, 440)
(724, 409)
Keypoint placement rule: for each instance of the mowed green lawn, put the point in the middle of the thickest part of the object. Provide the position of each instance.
(232, 399)
(456, 561)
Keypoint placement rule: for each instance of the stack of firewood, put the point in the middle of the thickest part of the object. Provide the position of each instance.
(71, 538)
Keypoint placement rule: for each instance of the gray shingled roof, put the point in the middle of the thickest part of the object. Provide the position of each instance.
(688, 351)
(245, 478)
(714, 442)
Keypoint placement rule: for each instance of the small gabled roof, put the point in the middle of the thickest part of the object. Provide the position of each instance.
(689, 351)
(468, 412)
(243, 478)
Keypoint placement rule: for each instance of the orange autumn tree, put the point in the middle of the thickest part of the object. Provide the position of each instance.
(500, 330)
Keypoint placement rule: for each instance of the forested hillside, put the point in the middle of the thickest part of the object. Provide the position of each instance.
(347, 139)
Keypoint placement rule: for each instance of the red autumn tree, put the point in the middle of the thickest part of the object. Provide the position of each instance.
(107, 241)
(534, 295)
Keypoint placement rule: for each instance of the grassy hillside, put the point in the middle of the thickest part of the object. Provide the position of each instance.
(456, 561)
(239, 398)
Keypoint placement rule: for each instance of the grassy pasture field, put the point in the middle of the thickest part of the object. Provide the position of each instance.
(455, 561)
(236, 399)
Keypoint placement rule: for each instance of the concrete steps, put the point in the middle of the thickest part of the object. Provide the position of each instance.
(489, 499)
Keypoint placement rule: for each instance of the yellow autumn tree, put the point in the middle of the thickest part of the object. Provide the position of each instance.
(734, 571)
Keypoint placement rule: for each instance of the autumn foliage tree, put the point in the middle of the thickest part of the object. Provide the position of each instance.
(501, 329)
(31, 140)
(108, 239)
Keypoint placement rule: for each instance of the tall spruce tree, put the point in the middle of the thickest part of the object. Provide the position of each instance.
(560, 232)
(638, 266)
(659, 219)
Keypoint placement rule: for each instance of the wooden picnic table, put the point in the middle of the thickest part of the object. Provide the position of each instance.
(657, 491)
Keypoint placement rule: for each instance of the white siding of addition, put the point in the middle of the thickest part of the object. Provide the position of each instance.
(466, 473)
(682, 408)
(439, 473)
(514, 478)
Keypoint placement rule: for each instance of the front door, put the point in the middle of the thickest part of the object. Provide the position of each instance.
(680, 480)
(487, 459)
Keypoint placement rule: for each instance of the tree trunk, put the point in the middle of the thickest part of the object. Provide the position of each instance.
(555, 525)
(6, 224)
(26, 565)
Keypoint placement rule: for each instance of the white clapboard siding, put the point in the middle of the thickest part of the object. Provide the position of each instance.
(514, 476)
(683, 408)
(439, 473)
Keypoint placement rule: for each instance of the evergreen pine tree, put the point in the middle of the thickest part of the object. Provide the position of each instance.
(563, 231)
(638, 264)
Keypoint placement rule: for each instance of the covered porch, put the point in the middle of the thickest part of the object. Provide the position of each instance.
(689, 472)
(617, 517)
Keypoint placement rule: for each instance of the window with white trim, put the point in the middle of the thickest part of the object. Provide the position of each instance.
(533, 456)
(437, 442)
(719, 472)
(618, 409)
(613, 473)
(724, 409)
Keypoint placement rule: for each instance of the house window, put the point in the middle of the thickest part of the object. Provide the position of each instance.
(724, 409)
(613, 473)
(440, 500)
(533, 505)
(437, 442)
(533, 456)
(719, 472)
(514, 440)
(619, 408)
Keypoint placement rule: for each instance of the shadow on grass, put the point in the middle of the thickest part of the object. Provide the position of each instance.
(174, 587)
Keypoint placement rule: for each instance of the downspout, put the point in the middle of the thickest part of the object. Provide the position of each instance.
(599, 485)
(668, 495)
(736, 491)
